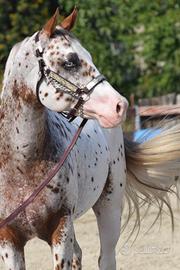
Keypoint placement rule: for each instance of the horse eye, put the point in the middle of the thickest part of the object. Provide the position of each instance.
(72, 61)
(69, 65)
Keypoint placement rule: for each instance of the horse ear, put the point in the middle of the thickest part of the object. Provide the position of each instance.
(69, 21)
(50, 26)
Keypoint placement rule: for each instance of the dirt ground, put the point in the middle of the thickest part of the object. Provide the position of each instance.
(155, 250)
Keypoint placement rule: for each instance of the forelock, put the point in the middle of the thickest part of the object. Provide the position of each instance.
(62, 32)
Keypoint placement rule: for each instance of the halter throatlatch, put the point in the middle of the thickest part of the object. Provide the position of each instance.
(63, 85)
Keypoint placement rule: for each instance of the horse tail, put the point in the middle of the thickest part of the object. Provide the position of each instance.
(153, 168)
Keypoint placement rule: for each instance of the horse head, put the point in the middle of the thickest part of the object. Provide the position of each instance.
(64, 78)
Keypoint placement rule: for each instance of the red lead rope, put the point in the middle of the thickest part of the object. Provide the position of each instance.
(49, 177)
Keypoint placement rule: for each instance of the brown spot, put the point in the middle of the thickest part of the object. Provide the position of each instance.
(2, 115)
(55, 190)
(57, 267)
(59, 228)
(60, 93)
(25, 94)
(46, 94)
(62, 263)
(66, 44)
(20, 170)
(85, 74)
(17, 130)
(4, 158)
(7, 234)
(68, 99)
(27, 53)
(26, 145)
(67, 179)
(56, 257)
(108, 188)
(49, 186)
(6, 255)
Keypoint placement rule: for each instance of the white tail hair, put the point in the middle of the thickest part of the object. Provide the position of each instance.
(153, 168)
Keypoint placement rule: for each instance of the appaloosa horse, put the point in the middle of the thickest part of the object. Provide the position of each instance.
(48, 73)
(34, 135)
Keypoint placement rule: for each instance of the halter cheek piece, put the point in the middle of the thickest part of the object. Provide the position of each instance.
(65, 86)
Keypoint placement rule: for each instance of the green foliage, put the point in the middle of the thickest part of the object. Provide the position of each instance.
(107, 37)
(159, 49)
(21, 18)
(136, 44)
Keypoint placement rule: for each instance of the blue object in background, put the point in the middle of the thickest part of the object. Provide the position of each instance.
(143, 135)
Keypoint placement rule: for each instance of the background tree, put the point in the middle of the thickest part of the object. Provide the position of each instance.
(21, 18)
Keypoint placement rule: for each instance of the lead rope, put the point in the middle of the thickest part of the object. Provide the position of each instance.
(44, 183)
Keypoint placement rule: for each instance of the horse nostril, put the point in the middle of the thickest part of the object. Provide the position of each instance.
(118, 108)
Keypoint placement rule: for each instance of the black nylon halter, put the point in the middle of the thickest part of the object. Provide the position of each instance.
(63, 85)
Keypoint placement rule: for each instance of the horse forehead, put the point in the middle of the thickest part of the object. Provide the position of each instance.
(67, 44)
(76, 45)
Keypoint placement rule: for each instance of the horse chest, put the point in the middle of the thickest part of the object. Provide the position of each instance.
(77, 186)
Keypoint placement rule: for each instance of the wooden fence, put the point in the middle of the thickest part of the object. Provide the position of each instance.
(150, 112)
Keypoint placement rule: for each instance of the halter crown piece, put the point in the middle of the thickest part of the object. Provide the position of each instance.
(63, 85)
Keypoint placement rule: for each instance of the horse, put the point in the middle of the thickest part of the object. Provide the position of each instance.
(50, 77)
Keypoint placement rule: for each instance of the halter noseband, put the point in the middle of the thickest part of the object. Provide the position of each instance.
(63, 85)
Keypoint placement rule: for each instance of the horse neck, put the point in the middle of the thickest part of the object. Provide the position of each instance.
(22, 118)
(22, 130)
